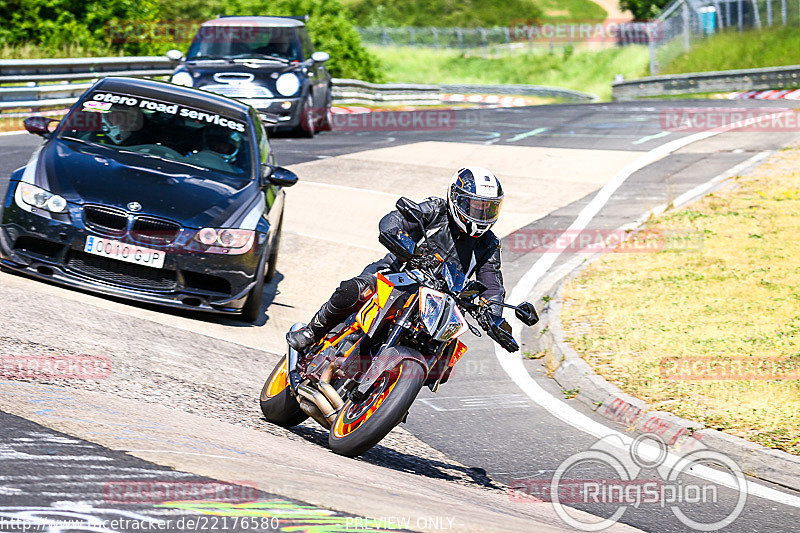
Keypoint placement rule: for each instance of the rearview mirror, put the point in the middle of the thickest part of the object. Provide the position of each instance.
(320, 57)
(282, 177)
(174, 55)
(526, 314)
(38, 125)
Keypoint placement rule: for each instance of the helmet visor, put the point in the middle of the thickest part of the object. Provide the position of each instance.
(480, 210)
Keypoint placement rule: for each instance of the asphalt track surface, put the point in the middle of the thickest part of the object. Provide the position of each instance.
(481, 418)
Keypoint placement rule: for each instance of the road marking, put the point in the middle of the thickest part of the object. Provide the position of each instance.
(651, 137)
(4, 133)
(515, 369)
(477, 403)
(525, 135)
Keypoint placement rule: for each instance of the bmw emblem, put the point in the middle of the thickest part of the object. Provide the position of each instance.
(135, 206)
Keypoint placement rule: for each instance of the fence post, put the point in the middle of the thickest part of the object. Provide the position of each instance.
(740, 14)
(718, 15)
(687, 44)
(783, 12)
(756, 13)
(385, 37)
(651, 45)
(412, 32)
(460, 35)
(435, 38)
(769, 12)
(484, 42)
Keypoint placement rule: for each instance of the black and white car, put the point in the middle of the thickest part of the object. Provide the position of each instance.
(268, 63)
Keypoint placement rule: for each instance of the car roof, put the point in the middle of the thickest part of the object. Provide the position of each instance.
(258, 22)
(168, 92)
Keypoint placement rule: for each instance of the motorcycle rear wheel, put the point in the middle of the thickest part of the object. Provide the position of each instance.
(277, 403)
(360, 426)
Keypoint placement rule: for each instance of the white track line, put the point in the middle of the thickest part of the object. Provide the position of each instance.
(514, 367)
(4, 133)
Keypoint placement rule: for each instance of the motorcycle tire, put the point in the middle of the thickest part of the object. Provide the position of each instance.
(360, 426)
(277, 403)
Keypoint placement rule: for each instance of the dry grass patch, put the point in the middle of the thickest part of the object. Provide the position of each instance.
(631, 315)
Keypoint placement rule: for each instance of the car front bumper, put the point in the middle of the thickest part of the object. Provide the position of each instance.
(287, 110)
(53, 250)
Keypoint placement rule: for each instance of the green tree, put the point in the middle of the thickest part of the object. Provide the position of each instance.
(643, 9)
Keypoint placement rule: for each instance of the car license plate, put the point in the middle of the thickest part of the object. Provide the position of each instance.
(130, 253)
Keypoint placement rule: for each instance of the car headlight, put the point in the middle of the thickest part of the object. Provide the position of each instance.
(38, 197)
(229, 239)
(287, 84)
(182, 78)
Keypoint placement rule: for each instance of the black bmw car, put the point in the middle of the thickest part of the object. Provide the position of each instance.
(152, 192)
(267, 62)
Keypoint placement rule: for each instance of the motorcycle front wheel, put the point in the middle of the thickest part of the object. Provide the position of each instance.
(277, 403)
(361, 425)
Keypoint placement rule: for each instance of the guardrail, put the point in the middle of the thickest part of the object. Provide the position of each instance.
(37, 83)
(707, 82)
(361, 92)
(520, 90)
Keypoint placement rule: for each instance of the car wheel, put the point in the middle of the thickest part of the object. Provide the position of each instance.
(308, 125)
(273, 254)
(326, 122)
(251, 311)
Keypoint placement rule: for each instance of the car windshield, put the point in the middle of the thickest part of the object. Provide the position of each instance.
(161, 129)
(232, 42)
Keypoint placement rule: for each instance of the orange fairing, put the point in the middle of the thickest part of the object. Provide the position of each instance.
(460, 350)
(384, 289)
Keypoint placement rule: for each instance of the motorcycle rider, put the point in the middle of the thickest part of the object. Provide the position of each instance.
(458, 228)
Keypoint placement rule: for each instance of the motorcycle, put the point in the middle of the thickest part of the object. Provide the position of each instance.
(360, 381)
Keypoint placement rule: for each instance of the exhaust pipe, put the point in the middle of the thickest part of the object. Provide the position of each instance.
(322, 403)
(325, 384)
(309, 408)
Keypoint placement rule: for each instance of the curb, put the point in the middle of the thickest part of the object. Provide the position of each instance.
(574, 374)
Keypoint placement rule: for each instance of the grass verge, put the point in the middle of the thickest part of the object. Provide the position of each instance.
(633, 317)
(587, 71)
(770, 47)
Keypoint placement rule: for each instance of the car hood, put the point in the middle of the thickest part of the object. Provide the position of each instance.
(193, 197)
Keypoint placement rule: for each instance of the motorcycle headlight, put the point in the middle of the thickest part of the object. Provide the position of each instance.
(182, 78)
(42, 199)
(287, 84)
(228, 239)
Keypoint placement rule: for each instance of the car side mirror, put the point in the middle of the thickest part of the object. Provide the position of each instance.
(526, 313)
(39, 125)
(282, 177)
(174, 55)
(320, 57)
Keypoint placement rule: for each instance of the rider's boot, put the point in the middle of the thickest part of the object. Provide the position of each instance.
(325, 319)
(346, 299)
